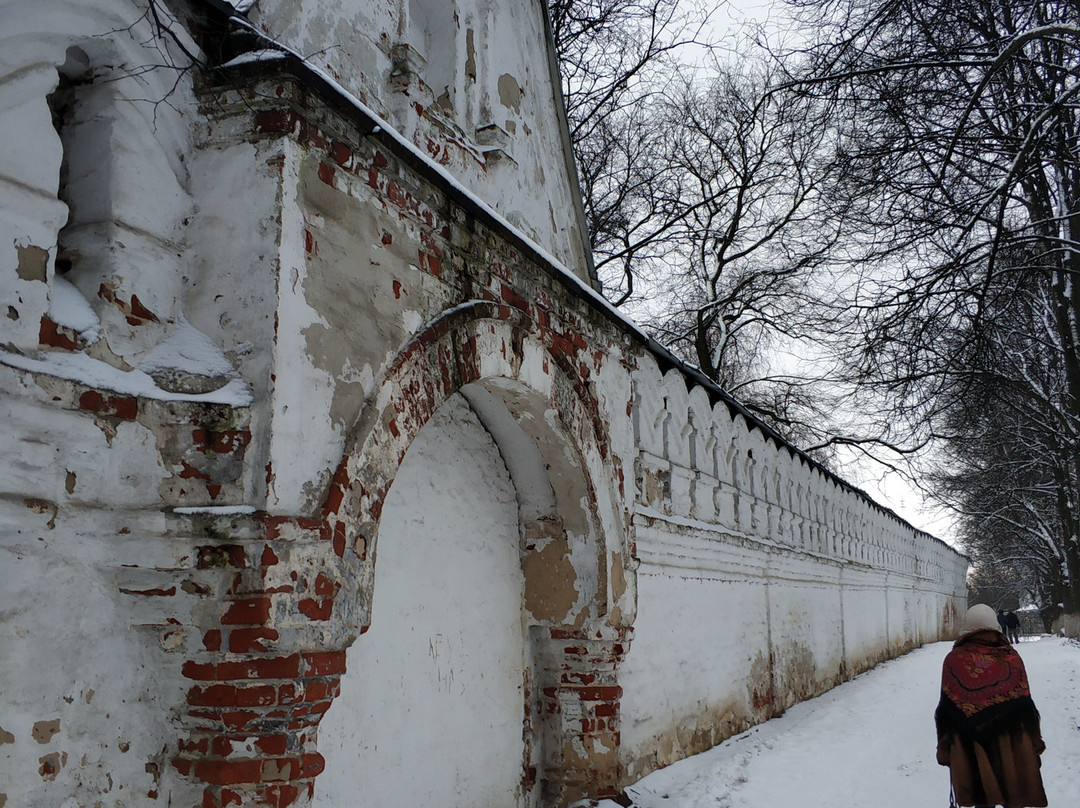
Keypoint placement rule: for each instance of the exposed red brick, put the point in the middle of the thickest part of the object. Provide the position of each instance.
(340, 152)
(195, 746)
(287, 795)
(316, 609)
(195, 588)
(229, 772)
(430, 263)
(189, 472)
(311, 765)
(338, 486)
(287, 694)
(124, 407)
(139, 313)
(286, 667)
(318, 689)
(239, 719)
(55, 336)
(244, 640)
(325, 663)
(324, 586)
(314, 709)
(339, 539)
(574, 677)
(247, 612)
(208, 718)
(200, 671)
(275, 121)
(514, 299)
(216, 695)
(222, 745)
(278, 590)
(258, 696)
(182, 765)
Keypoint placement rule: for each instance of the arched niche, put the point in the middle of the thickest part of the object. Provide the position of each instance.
(574, 596)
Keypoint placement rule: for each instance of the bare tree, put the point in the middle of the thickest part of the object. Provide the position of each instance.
(617, 59)
(702, 191)
(960, 162)
(1009, 456)
(749, 264)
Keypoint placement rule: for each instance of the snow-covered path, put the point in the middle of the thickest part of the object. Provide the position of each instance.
(870, 742)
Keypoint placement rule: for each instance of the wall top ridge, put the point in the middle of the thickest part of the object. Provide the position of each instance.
(693, 377)
(280, 61)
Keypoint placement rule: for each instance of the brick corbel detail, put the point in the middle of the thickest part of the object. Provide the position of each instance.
(580, 705)
(274, 645)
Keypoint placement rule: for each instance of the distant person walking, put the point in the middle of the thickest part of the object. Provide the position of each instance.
(987, 725)
(1002, 622)
(1012, 624)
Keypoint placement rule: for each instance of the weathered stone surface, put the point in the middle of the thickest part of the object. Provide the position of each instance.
(191, 559)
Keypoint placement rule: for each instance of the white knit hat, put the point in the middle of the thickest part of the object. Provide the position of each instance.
(978, 617)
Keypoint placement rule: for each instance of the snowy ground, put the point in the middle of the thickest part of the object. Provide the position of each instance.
(870, 742)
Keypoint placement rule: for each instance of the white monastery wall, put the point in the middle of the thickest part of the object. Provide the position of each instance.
(303, 378)
(762, 580)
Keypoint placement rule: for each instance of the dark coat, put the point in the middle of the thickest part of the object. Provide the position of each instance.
(992, 755)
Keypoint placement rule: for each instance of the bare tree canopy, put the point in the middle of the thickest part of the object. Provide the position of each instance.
(703, 191)
(617, 58)
(904, 187)
(961, 170)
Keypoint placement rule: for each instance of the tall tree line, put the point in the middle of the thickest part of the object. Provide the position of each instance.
(960, 162)
(903, 189)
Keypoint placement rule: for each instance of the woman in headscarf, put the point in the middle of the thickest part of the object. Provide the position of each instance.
(987, 725)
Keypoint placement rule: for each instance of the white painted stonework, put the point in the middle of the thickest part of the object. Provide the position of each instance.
(446, 651)
(326, 476)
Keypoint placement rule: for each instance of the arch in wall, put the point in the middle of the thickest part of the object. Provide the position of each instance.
(484, 364)
(440, 681)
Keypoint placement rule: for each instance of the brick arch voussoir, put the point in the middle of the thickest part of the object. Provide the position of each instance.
(579, 659)
(297, 594)
(437, 363)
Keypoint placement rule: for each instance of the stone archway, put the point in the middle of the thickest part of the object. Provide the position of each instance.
(431, 707)
(300, 591)
(539, 418)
